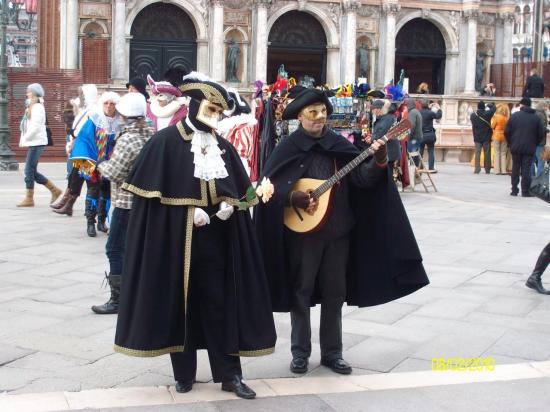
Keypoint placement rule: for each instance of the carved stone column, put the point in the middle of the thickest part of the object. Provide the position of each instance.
(471, 47)
(259, 41)
(389, 11)
(71, 33)
(349, 40)
(507, 49)
(119, 52)
(216, 42)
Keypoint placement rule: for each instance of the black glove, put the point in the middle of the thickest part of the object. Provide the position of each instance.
(299, 199)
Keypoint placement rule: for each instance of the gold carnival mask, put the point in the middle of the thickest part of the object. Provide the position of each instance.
(314, 112)
(209, 113)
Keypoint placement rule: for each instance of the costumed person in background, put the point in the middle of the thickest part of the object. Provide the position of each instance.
(174, 75)
(133, 136)
(238, 129)
(167, 106)
(364, 254)
(191, 251)
(34, 138)
(94, 144)
(138, 85)
(84, 104)
(383, 122)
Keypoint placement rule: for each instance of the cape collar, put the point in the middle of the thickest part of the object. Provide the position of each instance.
(305, 142)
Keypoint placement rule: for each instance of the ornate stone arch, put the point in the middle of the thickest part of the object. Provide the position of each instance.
(88, 26)
(194, 12)
(331, 31)
(444, 26)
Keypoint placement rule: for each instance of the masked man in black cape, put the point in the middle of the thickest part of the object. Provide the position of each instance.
(193, 273)
(364, 254)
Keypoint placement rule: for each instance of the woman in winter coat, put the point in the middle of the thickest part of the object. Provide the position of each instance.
(500, 146)
(429, 113)
(35, 138)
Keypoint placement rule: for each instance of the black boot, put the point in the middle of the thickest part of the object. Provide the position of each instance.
(111, 306)
(102, 215)
(90, 213)
(238, 387)
(534, 281)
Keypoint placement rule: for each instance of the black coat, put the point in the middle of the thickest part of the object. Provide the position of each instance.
(380, 128)
(534, 87)
(384, 263)
(153, 318)
(524, 131)
(481, 124)
(428, 117)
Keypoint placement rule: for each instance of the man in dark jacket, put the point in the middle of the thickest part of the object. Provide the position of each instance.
(384, 121)
(415, 138)
(482, 131)
(523, 132)
(534, 87)
(429, 113)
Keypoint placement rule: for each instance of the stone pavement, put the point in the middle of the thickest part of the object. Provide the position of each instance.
(478, 243)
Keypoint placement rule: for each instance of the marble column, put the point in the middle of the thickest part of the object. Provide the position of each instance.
(119, 60)
(389, 10)
(216, 42)
(507, 49)
(349, 41)
(471, 49)
(260, 34)
(71, 32)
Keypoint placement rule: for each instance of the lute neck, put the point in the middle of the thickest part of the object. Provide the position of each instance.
(335, 178)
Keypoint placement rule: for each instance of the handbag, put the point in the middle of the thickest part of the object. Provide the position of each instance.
(540, 185)
(49, 133)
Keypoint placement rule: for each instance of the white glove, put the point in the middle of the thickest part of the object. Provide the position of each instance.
(225, 211)
(200, 218)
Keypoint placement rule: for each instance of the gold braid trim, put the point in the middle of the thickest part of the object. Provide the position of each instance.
(183, 133)
(172, 201)
(211, 94)
(254, 353)
(187, 254)
(230, 200)
(148, 353)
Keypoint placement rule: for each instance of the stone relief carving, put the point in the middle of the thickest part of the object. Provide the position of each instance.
(350, 5)
(464, 112)
(454, 20)
(369, 11)
(391, 8)
(302, 4)
(333, 11)
(486, 18)
(426, 13)
(470, 15)
(238, 4)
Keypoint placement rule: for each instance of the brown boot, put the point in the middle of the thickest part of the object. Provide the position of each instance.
(61, 202)
(67, 208)
(28, 201)
(55, 191)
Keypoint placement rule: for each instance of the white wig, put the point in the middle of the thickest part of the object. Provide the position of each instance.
(109, 97)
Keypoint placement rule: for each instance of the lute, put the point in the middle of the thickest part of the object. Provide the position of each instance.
(298, 220)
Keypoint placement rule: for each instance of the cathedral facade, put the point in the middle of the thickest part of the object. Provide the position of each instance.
(441, 43)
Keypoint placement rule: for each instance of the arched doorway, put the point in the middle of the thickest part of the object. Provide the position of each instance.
(421, 52)
(298, 41)
(163, 36)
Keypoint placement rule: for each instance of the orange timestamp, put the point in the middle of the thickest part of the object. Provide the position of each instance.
(463, 364)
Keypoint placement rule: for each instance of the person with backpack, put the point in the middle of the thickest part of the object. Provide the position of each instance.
(483, 132)
(429, 112)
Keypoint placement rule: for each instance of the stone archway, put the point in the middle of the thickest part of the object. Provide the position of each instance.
(447, 26)
(298, 41)
(163, 37)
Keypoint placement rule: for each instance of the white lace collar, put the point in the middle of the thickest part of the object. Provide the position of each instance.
(207, 155)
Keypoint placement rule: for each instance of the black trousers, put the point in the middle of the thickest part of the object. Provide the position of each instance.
(521, 165)
(101, 188)
(314, 260)
(206, 307)
(486, 146)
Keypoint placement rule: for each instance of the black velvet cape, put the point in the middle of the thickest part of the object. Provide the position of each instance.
(384, 262)
(152, 318)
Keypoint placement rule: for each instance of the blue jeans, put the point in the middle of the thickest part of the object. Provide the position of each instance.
(31, 166)
(116, 242)
(538, 165)
(431, 155)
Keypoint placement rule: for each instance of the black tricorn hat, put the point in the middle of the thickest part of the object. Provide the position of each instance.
(139, 84)
(306, 98)
(196, 87)
(376, 94)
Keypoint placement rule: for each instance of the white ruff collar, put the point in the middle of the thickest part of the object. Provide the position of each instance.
(207, 155)
(166, 111)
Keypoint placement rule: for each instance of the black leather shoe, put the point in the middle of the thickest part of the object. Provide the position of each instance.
(338, 366)
(513, 193)
(90, 229)
(299, 365)
(534, 282)
(184, 387)
(238, 387)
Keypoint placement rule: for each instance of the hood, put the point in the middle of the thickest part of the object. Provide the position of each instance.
(527, 109)
(411, 104)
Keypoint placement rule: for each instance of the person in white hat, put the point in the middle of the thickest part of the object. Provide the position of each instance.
(167, 105)
(133, 136)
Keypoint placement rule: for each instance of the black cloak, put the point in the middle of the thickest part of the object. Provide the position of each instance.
(152, 318)
(384, 262)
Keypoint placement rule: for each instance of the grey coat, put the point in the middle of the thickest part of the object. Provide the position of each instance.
(416, 121)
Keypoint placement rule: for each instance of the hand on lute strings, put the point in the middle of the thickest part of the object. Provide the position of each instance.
(304, 201)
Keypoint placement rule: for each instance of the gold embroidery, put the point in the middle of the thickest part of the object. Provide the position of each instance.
(183, 133)
(210, 93)
(187, 252)
(230, 200)
(172, 201)
(148, 353)
(254, 353)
